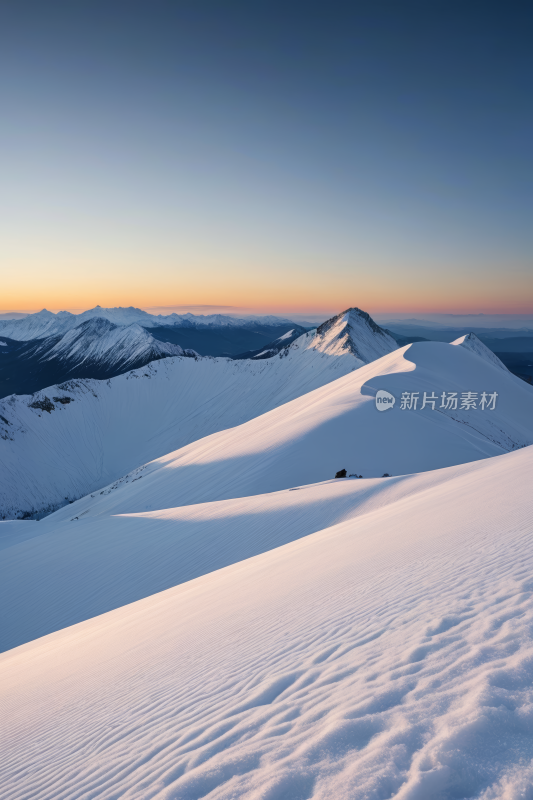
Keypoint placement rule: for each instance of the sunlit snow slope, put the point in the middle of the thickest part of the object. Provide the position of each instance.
(338, 427)
(99, 430)
(387, 655)
(86, 566)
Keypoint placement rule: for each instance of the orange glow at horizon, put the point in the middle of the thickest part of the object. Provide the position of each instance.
(209, 305)
(280, 288)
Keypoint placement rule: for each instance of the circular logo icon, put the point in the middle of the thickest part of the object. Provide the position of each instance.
(384, 400)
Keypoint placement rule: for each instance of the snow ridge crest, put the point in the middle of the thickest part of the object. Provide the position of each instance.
(471, 342)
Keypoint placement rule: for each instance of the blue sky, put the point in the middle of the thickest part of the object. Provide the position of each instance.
(273, 155)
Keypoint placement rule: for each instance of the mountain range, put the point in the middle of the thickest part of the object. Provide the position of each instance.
(88, 433)
(279, 449)
(173, 422)
(44, 349)
(46, 323)
(96, 348)
(303, 575)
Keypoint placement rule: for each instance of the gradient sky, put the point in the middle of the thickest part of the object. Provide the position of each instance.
(270, 155)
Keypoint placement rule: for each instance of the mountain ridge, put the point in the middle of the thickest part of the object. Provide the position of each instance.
(337, 426)
(46, 323)
(145, 413)
(96, 348)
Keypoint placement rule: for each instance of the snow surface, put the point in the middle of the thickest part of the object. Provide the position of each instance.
(285, 336)
(114, 426)
(73, 567)
(337, 427)
(388, 654)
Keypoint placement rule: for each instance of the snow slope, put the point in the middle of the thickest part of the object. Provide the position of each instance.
(338, 427)
(471, 342)
(108, 428)
(389, 655)
(72, 567)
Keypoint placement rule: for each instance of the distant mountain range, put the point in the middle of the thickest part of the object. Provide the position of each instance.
(44, 349)
(46, 323)
(94, 349)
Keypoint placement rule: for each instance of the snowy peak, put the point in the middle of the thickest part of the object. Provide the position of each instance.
(118, 316)
(471, 342)
(37, 326)
(352, 335)
(44, 314)
(354, 331)
(100, 341)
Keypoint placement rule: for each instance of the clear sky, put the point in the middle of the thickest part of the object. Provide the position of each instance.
(278, 156)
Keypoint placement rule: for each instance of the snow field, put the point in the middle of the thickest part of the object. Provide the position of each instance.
(79, 569)
(387, 655)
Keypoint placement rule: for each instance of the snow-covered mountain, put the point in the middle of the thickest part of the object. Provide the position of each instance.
(98, 341)
(38, 326)
(355, 331)
(387, 654)
(339, 427)
(72, 439)
(94, 349)
(46, 323)
(352, 330)
(471, 342)
(43, 349)
(274, 347)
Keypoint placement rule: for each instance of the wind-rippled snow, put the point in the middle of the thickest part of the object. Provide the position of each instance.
(389, 655)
